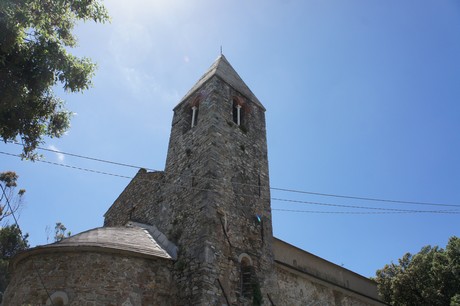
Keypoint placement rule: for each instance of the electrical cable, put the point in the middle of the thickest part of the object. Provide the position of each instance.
(366, 212)
(87, 157)
(72, 167)
(387, 210)
(357, 207)
(364, 198)
(252, 185)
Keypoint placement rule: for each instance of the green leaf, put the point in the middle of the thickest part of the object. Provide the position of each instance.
(34, 35)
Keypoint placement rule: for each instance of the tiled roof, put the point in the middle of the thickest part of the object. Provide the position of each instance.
(222, 68)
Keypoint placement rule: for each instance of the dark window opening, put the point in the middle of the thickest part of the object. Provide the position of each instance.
(235, 112)
(259, 186)
(246, 278)
(238, 112)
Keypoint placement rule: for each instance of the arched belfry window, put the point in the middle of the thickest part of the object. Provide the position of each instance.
(194, 110)
(238, 110)
(246, 275)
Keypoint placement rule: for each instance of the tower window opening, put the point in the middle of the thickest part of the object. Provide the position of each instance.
(259, 186)
(246, 280)
(246, 276)
(194, 115)
(237, 112)
(194, 108)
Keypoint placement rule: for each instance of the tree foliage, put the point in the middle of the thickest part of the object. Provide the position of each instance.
(11, 239)
(35, 36)
(60, 232)
(430, 277)
(10, 201)
(11, 242)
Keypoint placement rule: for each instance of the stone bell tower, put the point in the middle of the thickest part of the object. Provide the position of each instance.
(218, 156)
(213, 199)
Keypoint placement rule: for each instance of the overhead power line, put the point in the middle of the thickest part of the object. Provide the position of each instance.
(72, 167)
(246, 184)
(361, 207)
(380, 209)
(272, 188)
(253, 185)
(364, 198)
(89, 158)
(368, 212)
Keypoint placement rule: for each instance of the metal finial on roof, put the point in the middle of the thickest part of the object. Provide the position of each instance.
(220, 49)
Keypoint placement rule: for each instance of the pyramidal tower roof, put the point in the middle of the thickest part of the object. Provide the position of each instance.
(222, 68)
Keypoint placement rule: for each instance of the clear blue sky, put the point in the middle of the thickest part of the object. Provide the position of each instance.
(362, 98)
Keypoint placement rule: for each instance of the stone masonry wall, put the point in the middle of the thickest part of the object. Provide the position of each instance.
(144, 190)
(214, 186)
(219, 172)
(213, 202)
(298, 289)
(92, 279)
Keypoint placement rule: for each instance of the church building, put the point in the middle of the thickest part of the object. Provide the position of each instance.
(198, 233)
